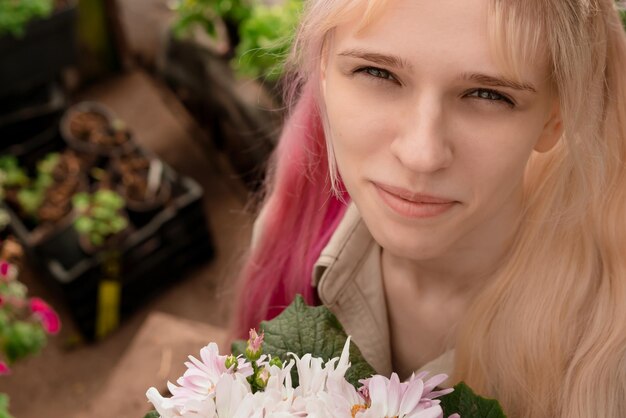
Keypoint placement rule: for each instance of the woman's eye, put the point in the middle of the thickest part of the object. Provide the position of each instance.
(491, 95)
(378, 73)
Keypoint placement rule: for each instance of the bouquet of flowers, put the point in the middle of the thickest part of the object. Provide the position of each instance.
(296, 368)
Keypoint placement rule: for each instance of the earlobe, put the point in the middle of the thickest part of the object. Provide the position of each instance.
(552, 130)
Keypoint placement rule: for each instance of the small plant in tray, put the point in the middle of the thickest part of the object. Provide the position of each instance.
(12, 178)
(100, 218)
(92, 128)
(46, 199)
(142, 182)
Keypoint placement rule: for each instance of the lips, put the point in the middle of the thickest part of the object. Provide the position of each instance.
(413, 205)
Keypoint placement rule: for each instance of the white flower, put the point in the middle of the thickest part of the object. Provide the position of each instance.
(210, 390)
(230, 391)
(390, 398)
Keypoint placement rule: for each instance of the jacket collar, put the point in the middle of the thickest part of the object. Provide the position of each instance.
(348, 278)
(349, 282)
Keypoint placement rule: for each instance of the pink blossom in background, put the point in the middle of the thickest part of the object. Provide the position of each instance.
(4, 268)
(4, 368)
(8, 271)
(48, 317)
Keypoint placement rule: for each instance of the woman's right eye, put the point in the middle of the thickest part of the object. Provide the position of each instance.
(377, 73)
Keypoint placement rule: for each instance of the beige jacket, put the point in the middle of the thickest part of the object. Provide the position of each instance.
(348, 278)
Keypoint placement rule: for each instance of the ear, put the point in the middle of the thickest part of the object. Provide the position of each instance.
(552, 130)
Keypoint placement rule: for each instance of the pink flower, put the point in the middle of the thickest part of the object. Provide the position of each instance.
(255, 345)
(255, 340)
(8, 271)
(411, 399)
(4, 268)
(48, 317)
(4, 368)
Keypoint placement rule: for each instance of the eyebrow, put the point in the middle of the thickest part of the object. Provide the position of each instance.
(397, 62)
(382, 59)
(497, 82)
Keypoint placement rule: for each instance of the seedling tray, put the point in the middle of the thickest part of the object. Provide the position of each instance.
(150, 258)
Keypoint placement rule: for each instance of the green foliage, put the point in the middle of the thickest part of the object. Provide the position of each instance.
(100, 215)
(623, 15)
(469, 405)
(302, 329)
(266, 37)
(4, 406)
(265, 32)
(5, 218)
(207, 13)
(31, 197)
(22, 339)
(151, 414)
(12, 174)
(22, 329)
(15, 14)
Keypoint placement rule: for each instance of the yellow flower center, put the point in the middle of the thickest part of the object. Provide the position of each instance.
(357, 408)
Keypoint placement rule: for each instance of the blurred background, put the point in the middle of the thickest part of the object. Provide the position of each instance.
(133, 139)
(134, 135)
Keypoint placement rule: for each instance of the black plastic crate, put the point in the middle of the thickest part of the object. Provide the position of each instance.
(25, 117)
(48, 46)
(152, 257)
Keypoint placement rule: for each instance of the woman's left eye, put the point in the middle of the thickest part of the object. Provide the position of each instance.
(490, 95)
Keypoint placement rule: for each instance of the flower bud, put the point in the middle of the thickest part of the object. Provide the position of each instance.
(231, 361)
(262, 377)
(275, 361)
(255, 346)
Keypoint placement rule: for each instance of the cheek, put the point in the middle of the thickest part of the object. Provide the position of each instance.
(360, 128)
(494, 151)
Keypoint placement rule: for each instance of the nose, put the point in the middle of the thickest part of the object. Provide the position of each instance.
(421, 144)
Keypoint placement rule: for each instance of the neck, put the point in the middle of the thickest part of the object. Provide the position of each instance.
(467, 267)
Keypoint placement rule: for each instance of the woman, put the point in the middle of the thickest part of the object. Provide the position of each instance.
(452, 177)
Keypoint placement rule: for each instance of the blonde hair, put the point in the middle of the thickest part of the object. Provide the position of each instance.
(547, 337)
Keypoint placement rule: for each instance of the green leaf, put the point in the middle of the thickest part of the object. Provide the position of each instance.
(118, 224)
(238, 347)
(4, 406)
(30, 200)
(81, 201)
(151, 414)
(469, 405)
(302, 329)
(83, 224)
(96, 240)
(14, 15)
(49, 162)
(23, 339)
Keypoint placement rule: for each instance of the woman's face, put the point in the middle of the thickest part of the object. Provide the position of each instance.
(430, 139)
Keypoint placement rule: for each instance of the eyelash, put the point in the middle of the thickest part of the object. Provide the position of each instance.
(385, 75)
(499, 97)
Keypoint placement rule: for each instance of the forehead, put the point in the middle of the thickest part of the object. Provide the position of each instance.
(456, 35)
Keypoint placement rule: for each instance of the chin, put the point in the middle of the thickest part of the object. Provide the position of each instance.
(410, 243)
